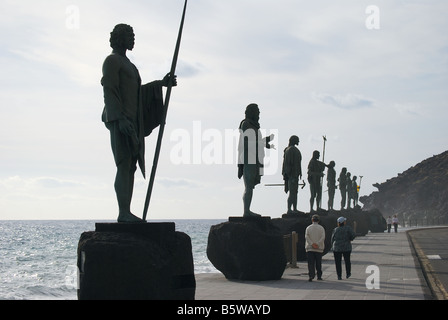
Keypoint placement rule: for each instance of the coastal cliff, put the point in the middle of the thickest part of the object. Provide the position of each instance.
(421, 192)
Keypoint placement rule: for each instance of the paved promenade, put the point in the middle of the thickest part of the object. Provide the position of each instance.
(395, 275)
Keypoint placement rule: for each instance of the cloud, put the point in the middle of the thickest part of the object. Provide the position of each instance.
(37, 185)
(48, 182)
(48, 197)
(56, 152)
(410, 109)
(348, 101)
(185, 69)
(178, 183)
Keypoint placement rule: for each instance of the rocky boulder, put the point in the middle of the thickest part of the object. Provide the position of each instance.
(247, 249)
(299, 223)
(135, 262)
(361, 221)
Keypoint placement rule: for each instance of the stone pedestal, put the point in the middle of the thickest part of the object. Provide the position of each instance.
(356, 218)
(144, 261)
(247, 249)
(299, 222)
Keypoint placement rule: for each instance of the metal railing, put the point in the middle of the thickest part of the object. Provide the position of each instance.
(424, 222)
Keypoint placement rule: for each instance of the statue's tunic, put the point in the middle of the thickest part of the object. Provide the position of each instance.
(251, 151)
(292, 168)
(126, 98)
(315, 172)
(292, 162)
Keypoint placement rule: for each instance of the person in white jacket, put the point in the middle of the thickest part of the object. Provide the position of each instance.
(314, 246)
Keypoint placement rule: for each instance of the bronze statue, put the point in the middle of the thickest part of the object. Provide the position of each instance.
(131, 112)
(331, 184)
(354, 192)
(343, 186)
(315, 174)
(292, 172)
(349, 189)
(251, 155)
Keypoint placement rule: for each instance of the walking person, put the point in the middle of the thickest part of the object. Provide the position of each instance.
(395, 222)
(341, 242)
(314, 246)
(389, 224)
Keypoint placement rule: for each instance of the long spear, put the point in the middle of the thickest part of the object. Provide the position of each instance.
(303, 184)
(162, 125)
(322, 178)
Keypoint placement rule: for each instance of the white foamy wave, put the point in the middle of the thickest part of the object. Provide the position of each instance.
(38, 258)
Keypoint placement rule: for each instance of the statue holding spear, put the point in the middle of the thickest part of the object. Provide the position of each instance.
(132, 111)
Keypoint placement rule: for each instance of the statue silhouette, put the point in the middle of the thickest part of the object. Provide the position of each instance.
(315, 173)
(331, 184)
(343, 186)
(354, 192)
(251, 155)
(349, 189)
(131, 112)
(292, 172)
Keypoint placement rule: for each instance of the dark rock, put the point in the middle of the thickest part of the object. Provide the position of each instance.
(131, 263)
(377, 223)
(360, 221)
(247, 249)
(293, 215)
(419, 192)
(300, 222)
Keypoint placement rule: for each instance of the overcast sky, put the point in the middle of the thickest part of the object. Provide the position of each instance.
(377, 89)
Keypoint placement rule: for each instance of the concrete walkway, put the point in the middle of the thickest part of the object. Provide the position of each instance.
(384, 267)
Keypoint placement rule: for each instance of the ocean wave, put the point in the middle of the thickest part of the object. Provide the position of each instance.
(38, 256)
(41, 292)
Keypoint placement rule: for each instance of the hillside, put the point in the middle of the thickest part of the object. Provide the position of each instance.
(419, 192)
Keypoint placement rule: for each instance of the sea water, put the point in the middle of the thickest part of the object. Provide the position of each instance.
(38, 258)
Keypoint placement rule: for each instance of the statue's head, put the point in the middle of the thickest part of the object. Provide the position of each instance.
(332, 164)
(122, 37)
(316, 154)
(294, 140)
(253, 112)
(344, 170)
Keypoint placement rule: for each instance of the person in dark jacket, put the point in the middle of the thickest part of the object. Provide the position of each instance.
(341, 243)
